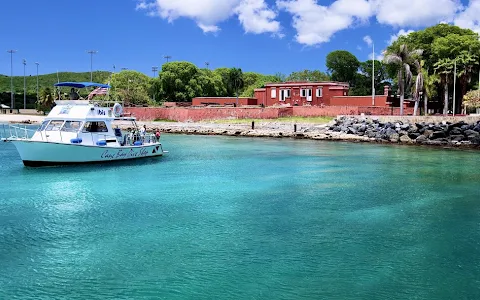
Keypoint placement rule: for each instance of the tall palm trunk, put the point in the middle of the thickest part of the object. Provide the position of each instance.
(425, 104)
(445, 105)
(401, 83)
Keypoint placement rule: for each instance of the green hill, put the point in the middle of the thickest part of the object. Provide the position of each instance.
(47, 80)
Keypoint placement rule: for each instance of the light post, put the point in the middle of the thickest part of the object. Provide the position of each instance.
(113, 68)
(167, 57)
(207, 64)
(11, 78)
(154, 70)
(37, 63)
(454, 84)
(373, 74)
(24, 85)
(91, 52)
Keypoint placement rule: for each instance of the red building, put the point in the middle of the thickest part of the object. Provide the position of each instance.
(300, 93)
(327, 93)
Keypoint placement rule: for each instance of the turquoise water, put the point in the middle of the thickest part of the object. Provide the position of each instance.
(241, 218)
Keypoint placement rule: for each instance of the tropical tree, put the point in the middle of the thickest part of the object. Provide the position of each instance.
(402, 58)
(46, 100)
(342, 65)
(430, 82)
(419, 85)
(444, 68)
(131, 86)
(472, 99)
(308, 75)
(235, 80)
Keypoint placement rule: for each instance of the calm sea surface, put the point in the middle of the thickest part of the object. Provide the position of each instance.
(241, 218)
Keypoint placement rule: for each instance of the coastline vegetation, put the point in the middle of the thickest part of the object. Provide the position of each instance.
(418, 66)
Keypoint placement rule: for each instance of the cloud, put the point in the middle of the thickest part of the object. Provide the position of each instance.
(254, 15)
(401, 32)
(316, 24)
(368, 40)
(470, 17)
(415, 13)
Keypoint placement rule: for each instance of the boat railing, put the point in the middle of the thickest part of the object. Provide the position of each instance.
(15, 132)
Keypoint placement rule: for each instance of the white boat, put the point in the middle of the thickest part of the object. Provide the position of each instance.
(83, 131)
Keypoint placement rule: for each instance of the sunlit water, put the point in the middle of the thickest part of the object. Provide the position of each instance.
(241, 218)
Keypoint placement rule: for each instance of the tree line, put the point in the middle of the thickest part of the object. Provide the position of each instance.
(419, 66)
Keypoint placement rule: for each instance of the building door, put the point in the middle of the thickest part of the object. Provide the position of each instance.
(309, 95)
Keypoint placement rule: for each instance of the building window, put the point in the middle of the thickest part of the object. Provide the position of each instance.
(274, 93)
(284, 94)
(303, 93)
(319, 92)
(95, 127)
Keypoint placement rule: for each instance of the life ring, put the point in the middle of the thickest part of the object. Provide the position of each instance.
(117, 110)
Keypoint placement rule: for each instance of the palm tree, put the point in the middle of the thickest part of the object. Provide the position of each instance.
(430, 88)
(465, 64)
(444, 68)
(235, 80)
(402, 57)
(419, 85)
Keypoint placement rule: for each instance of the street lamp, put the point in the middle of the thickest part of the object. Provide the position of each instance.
(11, 78)
(24, 85)
(37, 63)
(91, 52)
(207, 64)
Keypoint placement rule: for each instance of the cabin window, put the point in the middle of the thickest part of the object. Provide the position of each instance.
(72, 126)
(43, 126)
(95, 127)
(319, 92)
(54, 126)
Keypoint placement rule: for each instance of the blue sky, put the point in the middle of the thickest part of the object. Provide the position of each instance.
(266, 36)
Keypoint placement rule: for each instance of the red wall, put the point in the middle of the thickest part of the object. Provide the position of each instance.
(380, 100)
(224, 101)
(184, 114)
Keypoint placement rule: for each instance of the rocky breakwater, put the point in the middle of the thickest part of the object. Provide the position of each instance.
(424, 133)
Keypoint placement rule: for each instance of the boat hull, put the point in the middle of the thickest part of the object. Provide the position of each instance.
(37, 153)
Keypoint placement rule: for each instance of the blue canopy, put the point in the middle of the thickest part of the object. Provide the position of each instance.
(80, 85)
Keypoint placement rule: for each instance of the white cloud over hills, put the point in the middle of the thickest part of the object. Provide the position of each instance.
(313, 22)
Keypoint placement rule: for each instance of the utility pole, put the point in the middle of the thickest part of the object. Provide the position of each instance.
(207, 64)
(24, 85)
(154, 70)
(11, 78)
(37, 63)
(91, 52)
(113, 68)
(167, 57)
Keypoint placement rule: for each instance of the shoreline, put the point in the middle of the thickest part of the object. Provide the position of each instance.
(272, 129)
